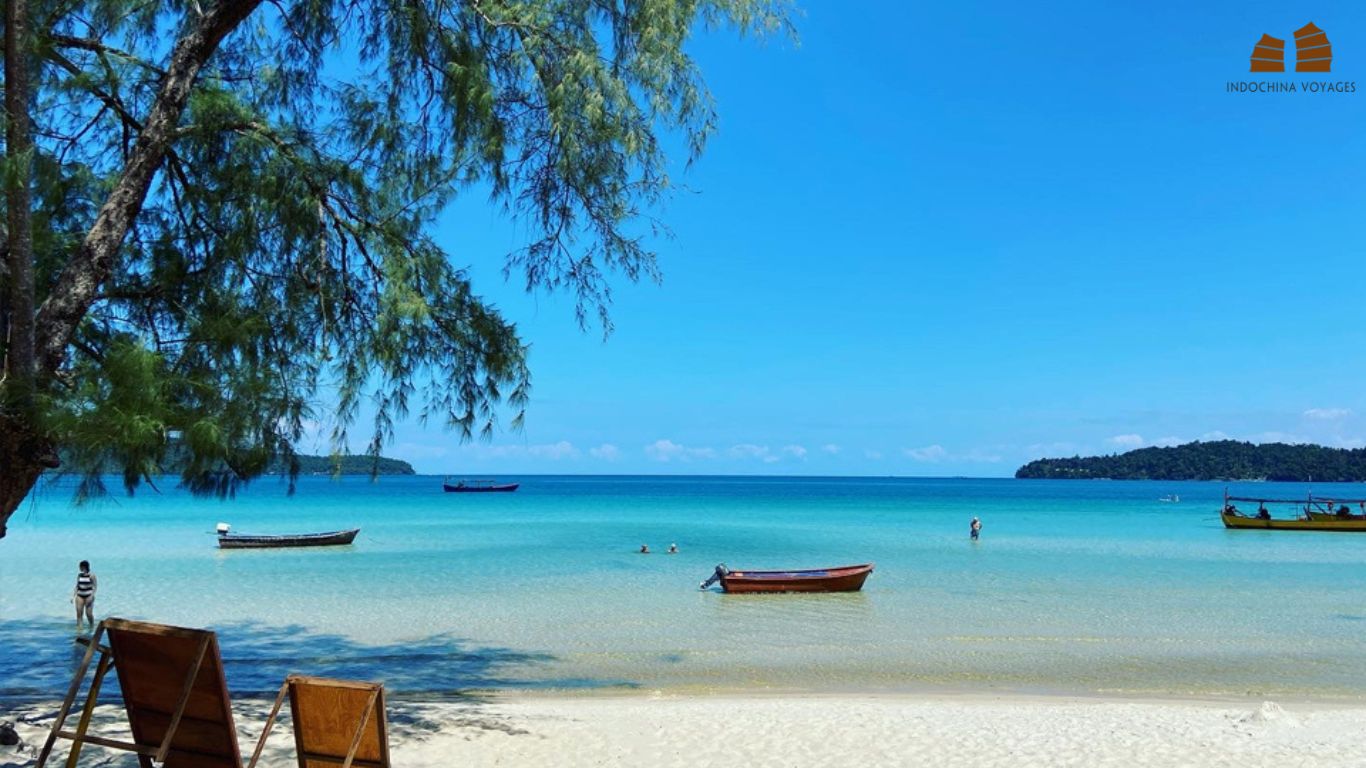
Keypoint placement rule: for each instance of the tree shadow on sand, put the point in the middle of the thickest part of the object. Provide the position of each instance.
(38, 659)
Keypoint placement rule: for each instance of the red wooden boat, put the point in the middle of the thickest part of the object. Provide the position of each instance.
(845, 578)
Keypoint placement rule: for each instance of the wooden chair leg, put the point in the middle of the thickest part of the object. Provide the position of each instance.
(70, 696)
(100, 670)
(160, 756)
(270, 723)
(360, 730)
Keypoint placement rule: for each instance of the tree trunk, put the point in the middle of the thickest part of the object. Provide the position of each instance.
(17, 385)
(19, 465)
(93, 261)
(24, 452)
(23, 457)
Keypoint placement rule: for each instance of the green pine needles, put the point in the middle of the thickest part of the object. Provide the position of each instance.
(232, 207)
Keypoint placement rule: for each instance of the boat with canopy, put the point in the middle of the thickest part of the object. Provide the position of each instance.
(1311, 513)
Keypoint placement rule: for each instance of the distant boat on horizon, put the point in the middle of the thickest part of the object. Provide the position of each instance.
(1171, 499)
(478, 486)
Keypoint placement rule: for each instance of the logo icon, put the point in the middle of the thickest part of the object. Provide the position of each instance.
(1268, 55)
(1313, 53)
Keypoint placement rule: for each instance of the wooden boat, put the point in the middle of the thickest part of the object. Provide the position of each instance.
(480, 486)
(845, 578)
(1324, 516)
(1309, 514)
(228, 540)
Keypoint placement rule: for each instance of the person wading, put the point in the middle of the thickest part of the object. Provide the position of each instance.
(84, 594)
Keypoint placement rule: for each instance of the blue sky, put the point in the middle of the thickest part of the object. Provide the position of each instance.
(948, 238)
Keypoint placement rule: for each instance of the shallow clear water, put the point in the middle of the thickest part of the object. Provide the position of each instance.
(1075, 586)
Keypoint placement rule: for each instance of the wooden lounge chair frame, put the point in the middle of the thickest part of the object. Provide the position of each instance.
(373, 709)
(146, 754)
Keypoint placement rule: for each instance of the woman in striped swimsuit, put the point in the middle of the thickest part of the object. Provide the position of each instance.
(84, 594)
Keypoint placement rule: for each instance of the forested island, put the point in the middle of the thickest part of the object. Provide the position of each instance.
(1217, 460)
(310, 465)
(350, 465)
(176, 459)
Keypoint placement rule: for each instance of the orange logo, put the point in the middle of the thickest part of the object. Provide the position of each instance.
(1313, 53)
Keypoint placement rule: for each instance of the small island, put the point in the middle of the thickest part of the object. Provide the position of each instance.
(349, 465)
(1216, 460)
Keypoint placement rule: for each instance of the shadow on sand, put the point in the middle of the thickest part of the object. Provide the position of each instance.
(39, 657)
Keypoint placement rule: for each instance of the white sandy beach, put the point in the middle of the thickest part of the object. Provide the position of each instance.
(823, 730)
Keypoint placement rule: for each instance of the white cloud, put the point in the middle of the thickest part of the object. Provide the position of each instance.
(1349, 442)
(606, 452)
(1280, 437)
(933, 454)
(750, 451)
(830, 448)
(795, 451)
(930, 453)
(551, 451)
(1126, 441)
(668, 450)
(1168, 442)
(554, 451)
(1327, 414)
(1215, 435)
(315, 434)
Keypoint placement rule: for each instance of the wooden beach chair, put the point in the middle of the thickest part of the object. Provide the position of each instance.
(336, 722)
(173, 691)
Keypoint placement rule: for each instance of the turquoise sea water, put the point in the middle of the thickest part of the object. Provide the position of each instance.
(1075, 586)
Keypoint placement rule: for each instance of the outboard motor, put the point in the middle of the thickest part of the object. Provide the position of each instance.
(223, 528)
(720, 571)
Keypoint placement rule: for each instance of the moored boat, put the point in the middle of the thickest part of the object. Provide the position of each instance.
(844, 578)
(1308, 514)
(479, 486)
(229, 540)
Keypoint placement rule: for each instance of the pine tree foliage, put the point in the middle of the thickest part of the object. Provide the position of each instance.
(284, 245)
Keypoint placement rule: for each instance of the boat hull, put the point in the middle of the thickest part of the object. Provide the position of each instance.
(847, 578)
(507, 488)
(1316, 523)
(329, 539)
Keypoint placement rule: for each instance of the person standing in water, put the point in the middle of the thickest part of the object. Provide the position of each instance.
(975, 529)
(84, 594)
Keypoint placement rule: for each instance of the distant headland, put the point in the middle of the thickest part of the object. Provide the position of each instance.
(350, 465)
(347, 464)
(1217, 460)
